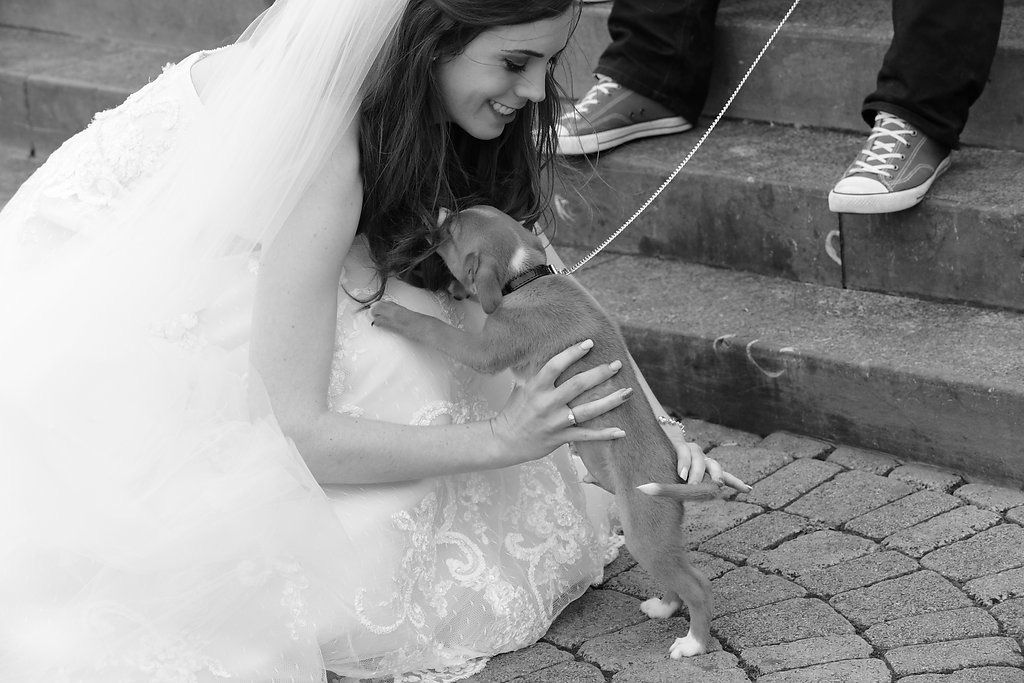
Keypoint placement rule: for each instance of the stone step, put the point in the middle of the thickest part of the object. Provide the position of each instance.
(193, 24)
(754, 197)
(937, 383)
(15, 167)
(821, 66)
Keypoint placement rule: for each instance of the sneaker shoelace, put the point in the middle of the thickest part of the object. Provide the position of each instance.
(881, 145)
(599, 90)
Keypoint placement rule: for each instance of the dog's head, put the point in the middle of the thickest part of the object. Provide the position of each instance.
(484, 249)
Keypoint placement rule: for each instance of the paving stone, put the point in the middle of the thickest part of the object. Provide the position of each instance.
(746, 588)
(988, 552)
(642, 644)
(569, 672)
(510, 665)
(782, 622)
(808, 652)
(857, 573)
(997, 587)
(848, 671)
(706, 519)
(929, 477)
(902, 514)
(716, 667)
(638, 583)
(865, 460)
(710, 566)
(794, 445)
(812, 553)
(918, 593)
(710, 435)
(749, 463)
(622, 563)
(991, 497)
(849, 495)
(1016, 515)
(784, 486)
(1010, 615)
(969, 622)
(949, 527)
(984, 674)
(954, 655)
(595, 613)
(763, 531)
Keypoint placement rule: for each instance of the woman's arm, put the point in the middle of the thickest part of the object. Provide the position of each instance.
(293, 328)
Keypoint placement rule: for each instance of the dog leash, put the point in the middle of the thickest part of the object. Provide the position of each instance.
(671, 177)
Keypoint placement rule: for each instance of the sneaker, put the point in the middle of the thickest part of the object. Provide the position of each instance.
(893, 172)
(610, 115)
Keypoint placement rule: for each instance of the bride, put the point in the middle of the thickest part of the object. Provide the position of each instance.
(214, 467)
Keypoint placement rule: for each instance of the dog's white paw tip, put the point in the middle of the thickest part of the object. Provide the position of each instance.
(686, 647)
(656, 608)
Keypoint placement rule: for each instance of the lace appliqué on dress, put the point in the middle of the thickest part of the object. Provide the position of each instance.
(86, 177)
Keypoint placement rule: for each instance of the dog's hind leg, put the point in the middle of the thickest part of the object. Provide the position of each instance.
(695, 590)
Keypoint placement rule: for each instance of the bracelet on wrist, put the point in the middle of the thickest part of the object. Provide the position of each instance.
(666, 420)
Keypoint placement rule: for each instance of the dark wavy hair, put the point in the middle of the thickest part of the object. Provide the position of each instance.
(413, 166)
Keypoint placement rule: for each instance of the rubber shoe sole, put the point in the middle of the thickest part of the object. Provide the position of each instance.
(572, 145)
(884, 202)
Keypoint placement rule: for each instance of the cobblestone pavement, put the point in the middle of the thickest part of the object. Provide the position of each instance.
(842, 565)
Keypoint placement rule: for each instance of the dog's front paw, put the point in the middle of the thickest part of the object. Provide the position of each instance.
(388, 315)
(686, 647)
(656, 608)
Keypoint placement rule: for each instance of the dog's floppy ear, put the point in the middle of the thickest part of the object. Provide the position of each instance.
(488, 287)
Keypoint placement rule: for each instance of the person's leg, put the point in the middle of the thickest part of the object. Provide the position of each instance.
(662, 49)
(937, 64)
(935, 69)
(653, 78)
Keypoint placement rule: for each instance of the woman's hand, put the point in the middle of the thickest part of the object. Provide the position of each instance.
(537, 418)
(692, 464)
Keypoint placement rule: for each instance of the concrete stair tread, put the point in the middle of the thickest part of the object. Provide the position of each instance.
(754, 197)
(938, 383)
(815, 158)
(962, 344)
(193, 24)
(865, 19)
(15, 168)
(113, 65)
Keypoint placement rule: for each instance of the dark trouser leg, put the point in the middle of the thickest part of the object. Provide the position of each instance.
(662, 49)
(937, 64)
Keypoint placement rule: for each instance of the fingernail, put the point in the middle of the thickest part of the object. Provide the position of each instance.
(627, 392)
(683, 474)
(618, 433)
(615, 365)
(588, 344)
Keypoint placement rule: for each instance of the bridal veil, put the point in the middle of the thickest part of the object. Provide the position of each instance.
(114, 564)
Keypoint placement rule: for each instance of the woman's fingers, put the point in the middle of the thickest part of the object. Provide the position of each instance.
(577, 434)
(560, 362)
(735, 483)
(591, 409)
(697, 464)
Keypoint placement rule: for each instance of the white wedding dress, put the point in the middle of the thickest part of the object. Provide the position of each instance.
(157, 526)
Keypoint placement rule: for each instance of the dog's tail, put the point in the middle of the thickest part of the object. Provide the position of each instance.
(681, 492)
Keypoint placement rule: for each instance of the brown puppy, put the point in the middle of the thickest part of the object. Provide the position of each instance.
(526, 327)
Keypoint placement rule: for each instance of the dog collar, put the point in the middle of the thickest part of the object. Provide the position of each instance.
(526, 278)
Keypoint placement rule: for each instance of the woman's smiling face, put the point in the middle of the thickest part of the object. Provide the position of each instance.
(499, 72)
